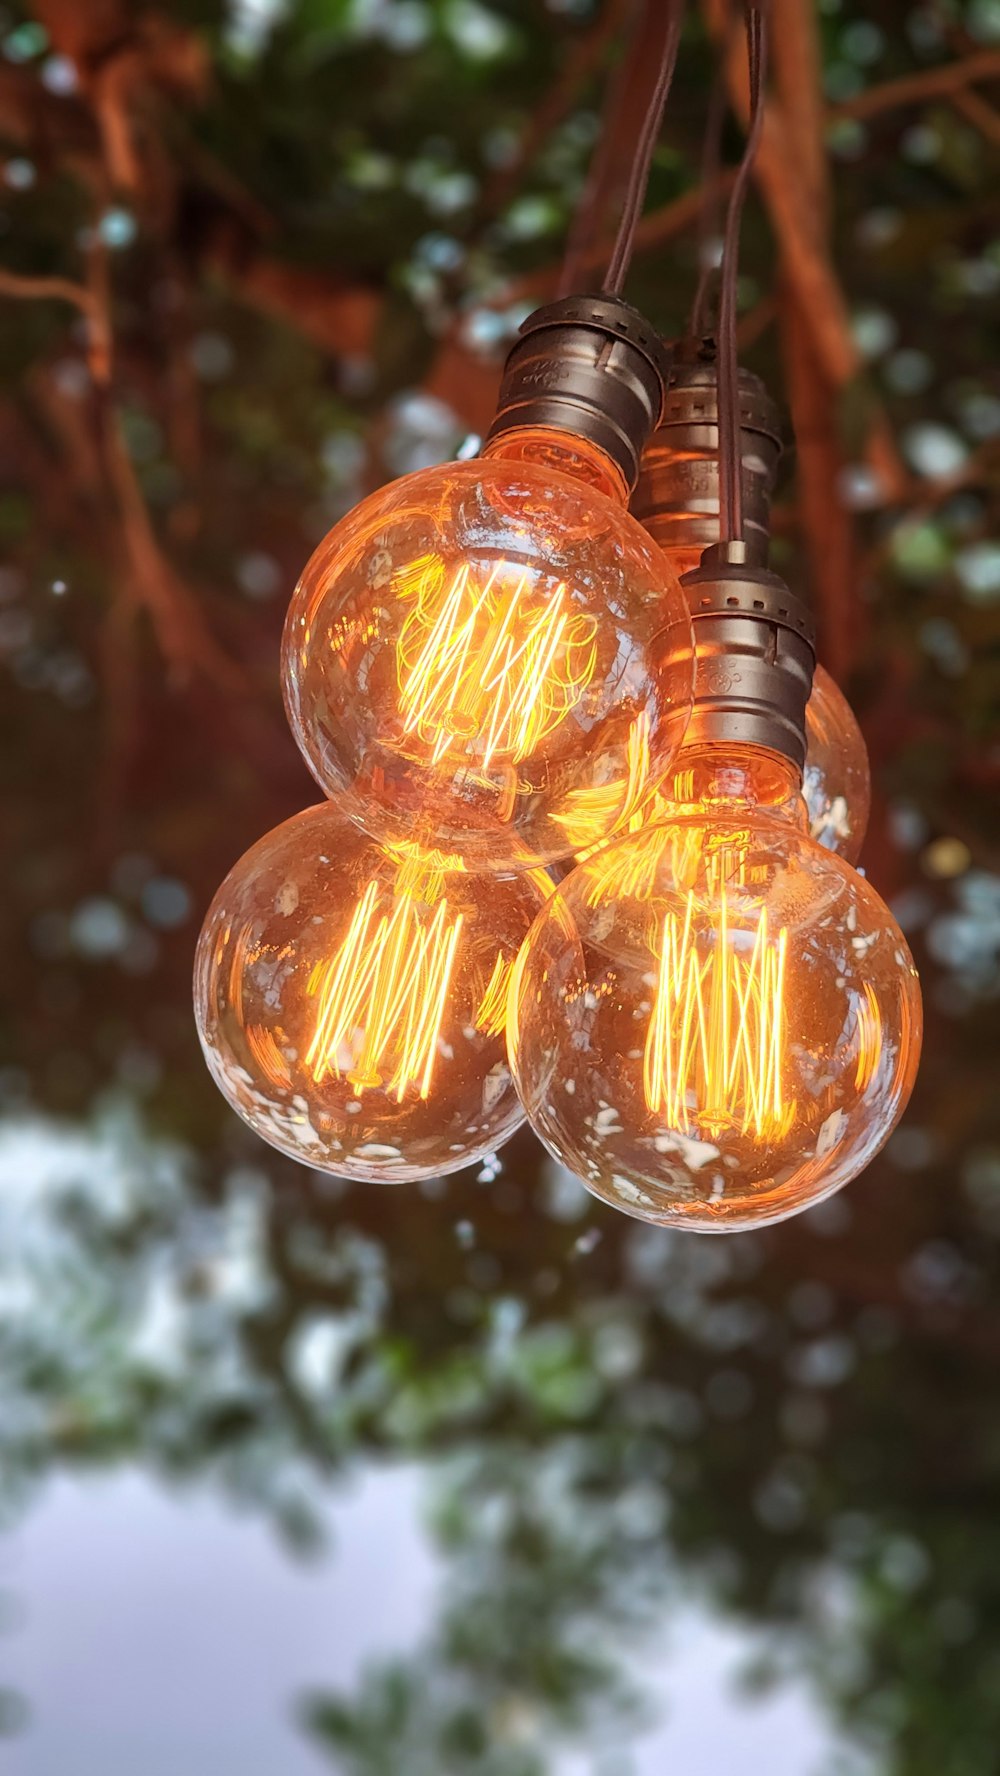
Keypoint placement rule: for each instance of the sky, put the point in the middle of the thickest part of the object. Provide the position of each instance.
(157, 1632)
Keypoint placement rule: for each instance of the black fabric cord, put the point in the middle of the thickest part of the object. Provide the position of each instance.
(708, 222)
(730, 486)
(621, 256)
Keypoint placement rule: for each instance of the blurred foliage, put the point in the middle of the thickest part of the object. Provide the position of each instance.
(323, 241)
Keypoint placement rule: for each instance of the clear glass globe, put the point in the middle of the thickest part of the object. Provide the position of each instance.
(351, 1002)
(715, 1022)
(835, 791)
(836, 779)
(479, 650)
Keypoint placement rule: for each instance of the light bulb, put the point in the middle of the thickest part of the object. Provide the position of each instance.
(677, 501)
(350, 1001)
(714, 1021)
(477, 646)
(836, 779)
(835, 790)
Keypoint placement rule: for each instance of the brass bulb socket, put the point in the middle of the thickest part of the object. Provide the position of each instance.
(677, 495)
(755, 654)
(591, 366)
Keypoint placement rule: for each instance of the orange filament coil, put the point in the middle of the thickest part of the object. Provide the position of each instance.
(263, 1045)
(492, 1014)
(630, 871)
(488, 663)
(594, 814)
(869, 1037)
(383, 996)
(713, 1055)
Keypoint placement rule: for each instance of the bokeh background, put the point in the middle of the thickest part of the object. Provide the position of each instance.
(478, 1478)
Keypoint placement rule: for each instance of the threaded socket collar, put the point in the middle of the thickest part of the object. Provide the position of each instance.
(755, 654)
(677, 496)
(591, 366)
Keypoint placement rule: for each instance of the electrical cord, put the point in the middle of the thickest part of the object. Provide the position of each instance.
(730, 487)
(621, 255)
(708, 222)
(589, 214)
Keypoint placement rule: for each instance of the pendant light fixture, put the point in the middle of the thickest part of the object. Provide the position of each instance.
(715, 1021)
(470, 651)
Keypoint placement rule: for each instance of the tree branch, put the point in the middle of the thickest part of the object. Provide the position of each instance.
(808, 265)
(981, 115)
(625, 99)
(981, 469)
(587, 54)
(827, 528)
(914, 89)
(798, 68)
(44, 289)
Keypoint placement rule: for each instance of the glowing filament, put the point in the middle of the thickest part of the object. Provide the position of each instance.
(869, 1038)
(599, 811)
(492, 1014)
(485, 663)
(630, 871)
(268, 1056)
(713, 1056)
(382, 998)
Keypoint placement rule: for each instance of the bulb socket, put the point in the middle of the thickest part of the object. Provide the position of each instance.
(677, 495)
(591, 366)
(755, 654)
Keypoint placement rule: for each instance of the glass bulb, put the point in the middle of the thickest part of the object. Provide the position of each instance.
(350, 1001)
(714, 1021)
(836, 779)
(477, 647)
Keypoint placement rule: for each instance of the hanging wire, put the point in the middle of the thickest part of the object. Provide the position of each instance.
(621, 255)
(708, 221)
(588, 217)
(730, 488)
